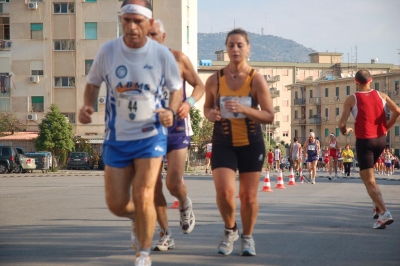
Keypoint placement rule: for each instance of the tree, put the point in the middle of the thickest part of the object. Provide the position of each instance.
(55, 134)
(195, 118)
(10, 123)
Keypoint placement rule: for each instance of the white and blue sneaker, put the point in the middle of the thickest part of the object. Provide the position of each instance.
(225, 246)
(248, 246)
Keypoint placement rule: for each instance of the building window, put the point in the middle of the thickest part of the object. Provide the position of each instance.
(37, 103)
(296, 95)
(71, 117)
(326, 92)
(285, 102)
(377, 86)
(119, 29)
(311, 130)
(36, 30)
(38, 1)
(337, 111)
(64, 45)
(397, 152)
(396, 131)
(396, 85)
(37, 68)
(4, 1)
(90, 1)
(285, 134)
(91, 30)
(96, 106)
(337, 131)
(64, 82)
(187, 34)
(285, 72)
(337, 91)
(4, 28)
(285, 118)
(347, 90)
(63, 8)
(326, 132)
(311, 95)
(311, 113)
(326, 112)
(88, 65)
(296, 133)
(4, 103)
(296, 114)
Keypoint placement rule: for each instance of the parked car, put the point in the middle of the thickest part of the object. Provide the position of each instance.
(8, 158)
(100, 164)
(78, 160)
(25, 164)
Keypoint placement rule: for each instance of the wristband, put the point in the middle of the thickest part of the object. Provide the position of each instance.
(191, 101)
(173, 113)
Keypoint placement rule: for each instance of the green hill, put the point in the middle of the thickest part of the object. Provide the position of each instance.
(263, 48)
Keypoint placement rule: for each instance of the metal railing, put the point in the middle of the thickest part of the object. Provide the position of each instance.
(300, 101)
(315, 100)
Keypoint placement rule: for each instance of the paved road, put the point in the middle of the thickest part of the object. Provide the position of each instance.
(62, 219)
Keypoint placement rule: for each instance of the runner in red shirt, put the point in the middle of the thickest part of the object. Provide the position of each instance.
(326, 159)
(333, 149)
(270, 159)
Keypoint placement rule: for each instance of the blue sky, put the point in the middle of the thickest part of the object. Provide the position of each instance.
(335, 26)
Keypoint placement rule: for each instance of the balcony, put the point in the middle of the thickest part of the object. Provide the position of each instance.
(277, 109)
(300, 101)
(5, 45)
(315, 100)
(272, 79)
(274, 92)
(315, 119)
(299, 121)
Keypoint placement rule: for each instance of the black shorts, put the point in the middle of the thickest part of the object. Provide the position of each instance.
(369, 150)
(247, 159)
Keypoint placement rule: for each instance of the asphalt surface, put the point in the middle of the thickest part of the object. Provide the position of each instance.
(61, 219)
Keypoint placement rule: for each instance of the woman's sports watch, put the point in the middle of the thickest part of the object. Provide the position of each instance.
(175, 116)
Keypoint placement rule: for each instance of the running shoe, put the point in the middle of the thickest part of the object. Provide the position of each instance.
(248, 246)
(142, 259)
(134, 239)
(165, 242)
(225, 246)
(383, 220)
(376, 213)
(335, 178)
(313, 181)
(187, 218)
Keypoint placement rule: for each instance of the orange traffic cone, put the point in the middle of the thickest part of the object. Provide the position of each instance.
(267, 183)
(175, 205)
(291, 182)
(280, 183)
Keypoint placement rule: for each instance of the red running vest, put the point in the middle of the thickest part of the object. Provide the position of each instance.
(369, 114)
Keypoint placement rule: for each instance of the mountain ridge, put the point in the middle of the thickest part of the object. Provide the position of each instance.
(268, 48)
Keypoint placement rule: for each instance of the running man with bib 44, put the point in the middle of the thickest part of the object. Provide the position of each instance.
(135, 69)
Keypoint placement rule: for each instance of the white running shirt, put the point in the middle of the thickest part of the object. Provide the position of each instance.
(134, 80)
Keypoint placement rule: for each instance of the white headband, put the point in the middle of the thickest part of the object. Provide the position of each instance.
(136, 9)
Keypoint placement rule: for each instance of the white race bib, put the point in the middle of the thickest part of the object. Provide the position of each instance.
(225, 113)
(165, 94)
(135, 106)
(311, 147)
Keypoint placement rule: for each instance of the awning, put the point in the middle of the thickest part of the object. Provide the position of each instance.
(96, 141)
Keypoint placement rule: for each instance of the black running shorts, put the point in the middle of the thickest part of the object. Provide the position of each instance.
(247, 159)
(369, 150)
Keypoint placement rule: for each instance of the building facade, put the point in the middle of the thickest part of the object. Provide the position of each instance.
(280, 75)
(49, 47)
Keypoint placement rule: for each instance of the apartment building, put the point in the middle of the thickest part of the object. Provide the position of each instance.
(317, 105)
(281, 75)
(47, 49)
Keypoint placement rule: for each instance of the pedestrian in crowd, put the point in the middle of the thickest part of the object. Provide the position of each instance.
(270, 156)
(295, 150)
(388, 162)
(135, 68)
(368, 108)
(277, 158)
(208, 147)
(393, 160)
(177, 145)
(311, 150)
(348, 156)
(333, 150)
(237, 101)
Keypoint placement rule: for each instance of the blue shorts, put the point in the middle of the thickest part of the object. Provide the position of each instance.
(177, 143)
(122, 153)
(388, 164)
(312, 159)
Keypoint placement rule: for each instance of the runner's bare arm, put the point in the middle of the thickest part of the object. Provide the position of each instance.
(347, 106)
(210, 112)
(89, 98)
(394, 109)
